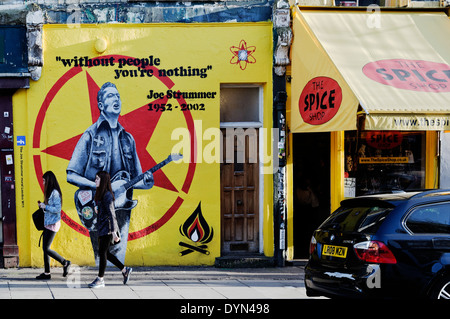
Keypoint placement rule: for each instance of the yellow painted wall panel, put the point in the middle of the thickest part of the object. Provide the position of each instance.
(149, 65)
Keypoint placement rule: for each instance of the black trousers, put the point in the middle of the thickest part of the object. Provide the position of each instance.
(104, 243)
(47, 240)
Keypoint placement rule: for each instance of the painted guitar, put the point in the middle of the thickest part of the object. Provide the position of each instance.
(122, 186)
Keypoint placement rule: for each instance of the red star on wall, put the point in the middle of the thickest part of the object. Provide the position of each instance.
(140, 123)
(243, 55)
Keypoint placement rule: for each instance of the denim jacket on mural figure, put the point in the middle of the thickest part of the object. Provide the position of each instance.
(52, 209)
(94, 152)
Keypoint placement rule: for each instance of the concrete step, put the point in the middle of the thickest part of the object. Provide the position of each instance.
(244, 261)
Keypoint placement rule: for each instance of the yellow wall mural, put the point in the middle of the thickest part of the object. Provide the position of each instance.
(155, 81)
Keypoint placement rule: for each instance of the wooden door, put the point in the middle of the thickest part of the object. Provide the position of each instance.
(239, 191)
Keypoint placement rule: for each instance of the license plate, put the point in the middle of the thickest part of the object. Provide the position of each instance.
(335, 251)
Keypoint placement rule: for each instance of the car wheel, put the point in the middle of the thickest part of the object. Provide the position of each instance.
(442, 289)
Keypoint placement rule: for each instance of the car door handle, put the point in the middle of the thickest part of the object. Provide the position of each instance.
(441, 243)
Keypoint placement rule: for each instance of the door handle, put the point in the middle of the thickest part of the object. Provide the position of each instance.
(441, 243)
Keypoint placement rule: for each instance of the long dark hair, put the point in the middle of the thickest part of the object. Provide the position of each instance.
(51, 183)
(105, 185)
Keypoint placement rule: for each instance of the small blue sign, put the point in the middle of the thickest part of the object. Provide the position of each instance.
(21, 141)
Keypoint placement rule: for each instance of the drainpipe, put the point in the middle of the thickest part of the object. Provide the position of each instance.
(282, 40)
(279, 176)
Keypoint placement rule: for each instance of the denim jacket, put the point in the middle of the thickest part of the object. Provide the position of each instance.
(53, 209)
(93, 152)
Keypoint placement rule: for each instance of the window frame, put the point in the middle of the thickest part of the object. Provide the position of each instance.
(251, 124)
(414, 209)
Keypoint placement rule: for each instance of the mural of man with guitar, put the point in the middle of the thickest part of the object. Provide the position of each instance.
(107, 146)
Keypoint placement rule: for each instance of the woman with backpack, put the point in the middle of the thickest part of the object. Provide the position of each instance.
(52, 222)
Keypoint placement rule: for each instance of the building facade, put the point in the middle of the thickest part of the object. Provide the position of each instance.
(256, 119)
(366, 110)
(192, 89)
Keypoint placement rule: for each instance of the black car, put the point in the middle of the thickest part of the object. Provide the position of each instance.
(383, 246)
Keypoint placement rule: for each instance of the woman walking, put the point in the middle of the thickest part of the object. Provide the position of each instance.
(107, 229)
(52, 222)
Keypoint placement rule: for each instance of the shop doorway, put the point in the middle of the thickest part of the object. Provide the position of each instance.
(240, 181)
(240, 192)
(311, 170)
(9, 251)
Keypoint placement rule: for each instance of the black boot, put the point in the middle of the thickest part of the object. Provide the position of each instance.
(66, 268)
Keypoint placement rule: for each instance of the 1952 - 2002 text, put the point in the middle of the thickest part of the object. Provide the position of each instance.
(158, 98)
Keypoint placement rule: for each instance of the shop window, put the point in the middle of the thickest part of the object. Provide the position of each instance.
(240, 104)
(383, 161)
(13, 49)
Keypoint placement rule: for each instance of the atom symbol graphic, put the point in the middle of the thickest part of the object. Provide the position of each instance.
(243, 55)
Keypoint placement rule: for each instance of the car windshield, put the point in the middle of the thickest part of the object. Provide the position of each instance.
(356, 219)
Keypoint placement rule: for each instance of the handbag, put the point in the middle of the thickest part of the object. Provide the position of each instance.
(38, 219)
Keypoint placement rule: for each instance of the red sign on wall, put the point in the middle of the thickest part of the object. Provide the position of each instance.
(384, 139)
(320, 100)
(415, 75)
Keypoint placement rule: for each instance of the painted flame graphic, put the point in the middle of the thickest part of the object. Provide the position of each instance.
(196, 228)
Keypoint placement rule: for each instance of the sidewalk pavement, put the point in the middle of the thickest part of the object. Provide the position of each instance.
(157, 283)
